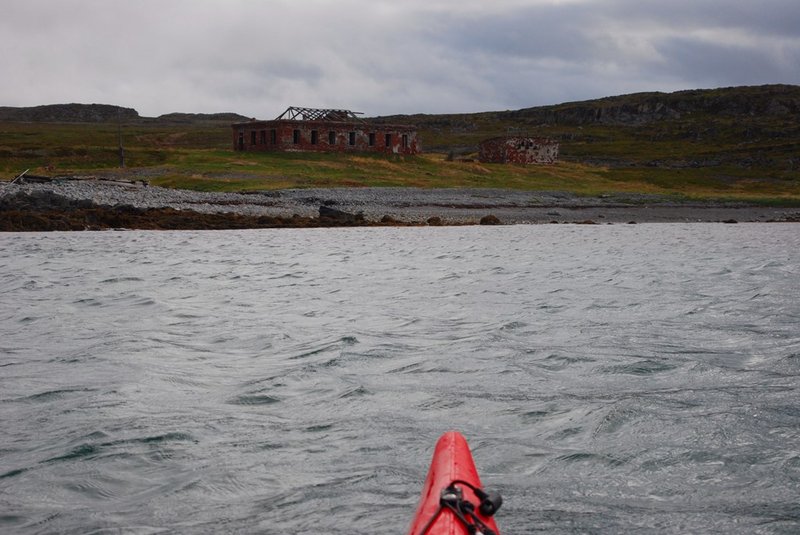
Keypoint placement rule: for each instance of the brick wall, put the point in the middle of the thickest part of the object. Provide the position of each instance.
(324, 136)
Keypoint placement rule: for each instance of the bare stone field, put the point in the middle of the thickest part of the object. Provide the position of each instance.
(68, 201)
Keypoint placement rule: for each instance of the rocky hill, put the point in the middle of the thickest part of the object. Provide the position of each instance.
(769, 101)
(637, 109)
(69, 113)
(732, 131)
(102, 113)
(727, 134)
(188, 118)
(644, 108)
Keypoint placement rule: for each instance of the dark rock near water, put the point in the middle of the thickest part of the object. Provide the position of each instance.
(128, 217)
(339, 215)
(353, 207)
(41, 200)
(43, 210)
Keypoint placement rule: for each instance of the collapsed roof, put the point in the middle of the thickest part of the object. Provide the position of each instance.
(294, 113)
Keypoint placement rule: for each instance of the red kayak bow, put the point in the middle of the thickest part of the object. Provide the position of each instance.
(453, 502)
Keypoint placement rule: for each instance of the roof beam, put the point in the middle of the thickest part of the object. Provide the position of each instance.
(295, 113)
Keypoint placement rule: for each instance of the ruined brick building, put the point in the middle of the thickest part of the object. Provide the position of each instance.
(518, 149)
(323, 130)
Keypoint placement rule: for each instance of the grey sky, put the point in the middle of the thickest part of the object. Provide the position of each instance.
(256, 57)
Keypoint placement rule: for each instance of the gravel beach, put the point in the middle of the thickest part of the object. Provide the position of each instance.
(412, 205)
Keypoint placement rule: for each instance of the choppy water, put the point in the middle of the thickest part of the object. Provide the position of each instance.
(610, 379)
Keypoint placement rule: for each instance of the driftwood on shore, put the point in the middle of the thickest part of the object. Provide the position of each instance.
(26, 178)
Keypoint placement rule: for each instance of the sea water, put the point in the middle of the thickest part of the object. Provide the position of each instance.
(609, 379)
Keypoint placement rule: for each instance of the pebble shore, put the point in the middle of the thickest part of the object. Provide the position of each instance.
(451, 206)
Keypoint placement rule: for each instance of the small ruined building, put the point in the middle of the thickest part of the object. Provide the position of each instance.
(309, 129)
(518, 149)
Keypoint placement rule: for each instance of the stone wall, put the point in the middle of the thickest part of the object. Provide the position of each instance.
(517, 149)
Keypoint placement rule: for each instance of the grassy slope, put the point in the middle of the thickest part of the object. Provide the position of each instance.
(698, 155)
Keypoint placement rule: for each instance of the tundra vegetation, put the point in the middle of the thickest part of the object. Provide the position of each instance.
(735, 144)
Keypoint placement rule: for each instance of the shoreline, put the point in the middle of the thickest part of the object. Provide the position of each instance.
(99, 204)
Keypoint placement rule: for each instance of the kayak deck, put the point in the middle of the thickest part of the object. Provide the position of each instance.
(452, 496)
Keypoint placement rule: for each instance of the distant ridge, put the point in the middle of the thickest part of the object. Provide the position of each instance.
(202, 117)
(102, 113)
(727, 131)
(643, 108)
(633, 109)
(69, 113)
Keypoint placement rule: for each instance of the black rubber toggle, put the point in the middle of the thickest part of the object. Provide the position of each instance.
(490, 503)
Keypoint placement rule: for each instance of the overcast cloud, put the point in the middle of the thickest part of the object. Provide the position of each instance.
(256, 57)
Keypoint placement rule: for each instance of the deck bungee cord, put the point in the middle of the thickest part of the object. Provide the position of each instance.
(452, 499)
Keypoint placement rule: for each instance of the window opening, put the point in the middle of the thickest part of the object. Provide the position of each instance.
(296, 137)
(273, 135)
(331, 138)
(314, 137)
(372, 140)
(252, 137)
(388, 140)
(352, 138)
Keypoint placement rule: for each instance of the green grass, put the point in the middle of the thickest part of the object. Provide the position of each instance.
(698, 157)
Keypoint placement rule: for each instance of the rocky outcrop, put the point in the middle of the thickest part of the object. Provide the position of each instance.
(100, 113)
(43, 210)
(490, 219)
(188, 118)
(644, 108)
(326, 212)
(39, 200)
(69, 113)
(633, 110)
(95, 204)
